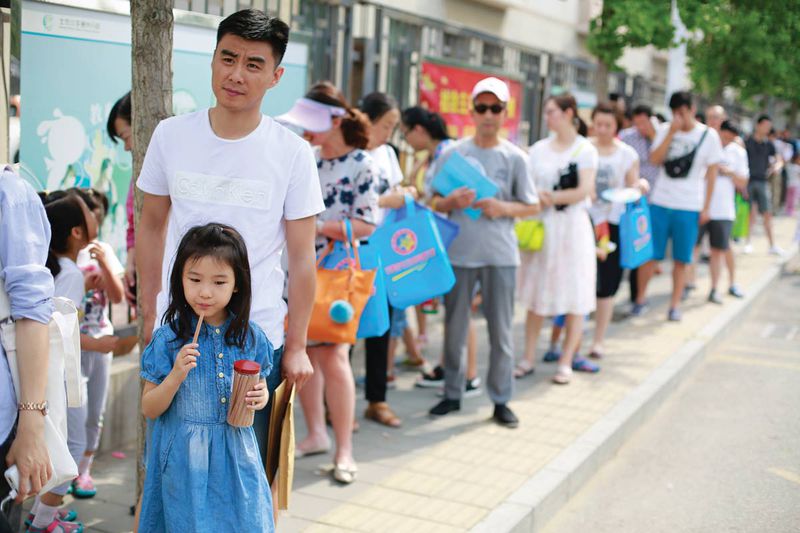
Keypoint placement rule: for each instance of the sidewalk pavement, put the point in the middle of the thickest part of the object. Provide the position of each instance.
(463, 472)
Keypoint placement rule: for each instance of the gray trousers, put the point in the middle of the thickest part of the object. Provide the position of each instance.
(497, 289)
(85, 423)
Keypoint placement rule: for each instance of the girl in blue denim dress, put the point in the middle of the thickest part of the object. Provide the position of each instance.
(204, 475)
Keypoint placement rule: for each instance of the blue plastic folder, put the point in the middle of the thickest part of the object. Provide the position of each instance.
(458, 172)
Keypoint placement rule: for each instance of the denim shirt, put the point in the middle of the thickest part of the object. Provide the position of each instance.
(24, 240)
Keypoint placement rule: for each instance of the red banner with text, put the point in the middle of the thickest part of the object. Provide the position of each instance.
(447, 90)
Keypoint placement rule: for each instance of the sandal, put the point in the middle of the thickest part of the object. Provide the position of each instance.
(83, 487)
(345, 474)
(411, 362)
(579, 364)
(63, 515)
(381, 413)
(523, 369)
(563, 375)
(594, 354)
(299, 453)
(551, 356)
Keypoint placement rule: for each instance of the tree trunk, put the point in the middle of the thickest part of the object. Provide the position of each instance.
(151, 102)
(601, 81)
(792, 116)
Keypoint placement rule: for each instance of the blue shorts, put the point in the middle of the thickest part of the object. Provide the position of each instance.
(678, 225)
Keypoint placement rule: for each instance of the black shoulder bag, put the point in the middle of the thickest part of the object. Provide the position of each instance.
(679, 167)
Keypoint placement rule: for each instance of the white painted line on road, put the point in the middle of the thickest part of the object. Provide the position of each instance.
(757, 362)
(769, 328)
(785, 474)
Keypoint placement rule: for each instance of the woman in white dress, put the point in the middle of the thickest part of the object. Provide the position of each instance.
(560, 278)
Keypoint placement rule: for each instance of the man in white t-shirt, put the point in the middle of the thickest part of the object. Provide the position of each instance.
(688, 153)
(733, 175)
(233, 165)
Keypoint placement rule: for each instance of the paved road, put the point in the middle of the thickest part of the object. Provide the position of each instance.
(723, 454)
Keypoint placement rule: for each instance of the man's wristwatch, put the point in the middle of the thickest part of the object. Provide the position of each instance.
(34, 406)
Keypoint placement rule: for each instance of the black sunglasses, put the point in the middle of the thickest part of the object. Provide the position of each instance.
(494, 108)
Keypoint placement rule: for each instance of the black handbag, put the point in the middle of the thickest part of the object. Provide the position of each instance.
(679, 167)
(568, 177)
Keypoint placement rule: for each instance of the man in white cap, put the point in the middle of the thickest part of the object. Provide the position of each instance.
(485, 251)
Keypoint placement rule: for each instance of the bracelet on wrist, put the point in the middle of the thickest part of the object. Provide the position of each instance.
(34, 406)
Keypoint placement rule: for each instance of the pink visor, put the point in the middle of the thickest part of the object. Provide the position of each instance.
(310, 115)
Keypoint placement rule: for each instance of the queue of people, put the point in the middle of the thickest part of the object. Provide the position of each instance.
(228, 191)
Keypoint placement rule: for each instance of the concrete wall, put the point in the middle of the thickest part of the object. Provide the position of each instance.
(122, 411)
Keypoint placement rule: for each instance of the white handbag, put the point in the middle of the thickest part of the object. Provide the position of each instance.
(64, 381)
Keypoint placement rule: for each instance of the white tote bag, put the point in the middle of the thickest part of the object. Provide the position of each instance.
(64, 381)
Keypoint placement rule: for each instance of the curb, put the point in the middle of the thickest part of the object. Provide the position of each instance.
(531, 507)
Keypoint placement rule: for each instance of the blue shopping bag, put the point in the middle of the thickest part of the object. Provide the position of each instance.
(448, 230)
(414, 261)
(375, 317)
(635, 235)
(458, 172)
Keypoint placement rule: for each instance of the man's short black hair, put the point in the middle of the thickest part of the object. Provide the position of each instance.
(613, 97)
(643, 109)
(700, 117)
(729, 125)
(762, 118)
(680, 99)
(255, 25)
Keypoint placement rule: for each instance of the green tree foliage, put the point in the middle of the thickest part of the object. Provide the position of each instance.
(747, 45)
(629, 24)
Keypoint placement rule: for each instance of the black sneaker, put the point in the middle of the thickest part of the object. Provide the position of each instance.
(473, 388)
(505, 416)
(428, 380)
(715, 298)
(735, 292)
(445, 407)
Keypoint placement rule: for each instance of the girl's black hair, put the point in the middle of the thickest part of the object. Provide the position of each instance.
(377, 104)
(225, 244)
(121, 109)
(64, 213)
(432, 122)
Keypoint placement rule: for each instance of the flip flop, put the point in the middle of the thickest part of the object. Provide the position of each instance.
(562, 376)
(595, 355)
(299, 454)
(523, 370)
(584, 365)
(551, 356)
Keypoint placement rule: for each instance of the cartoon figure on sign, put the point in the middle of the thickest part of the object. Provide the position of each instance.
(404, 241)
(66, 141)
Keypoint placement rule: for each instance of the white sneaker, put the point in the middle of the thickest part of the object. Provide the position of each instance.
(748, 249)
(776, 250)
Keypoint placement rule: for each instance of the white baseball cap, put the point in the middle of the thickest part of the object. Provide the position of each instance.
(495, 86)
(310, 115)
